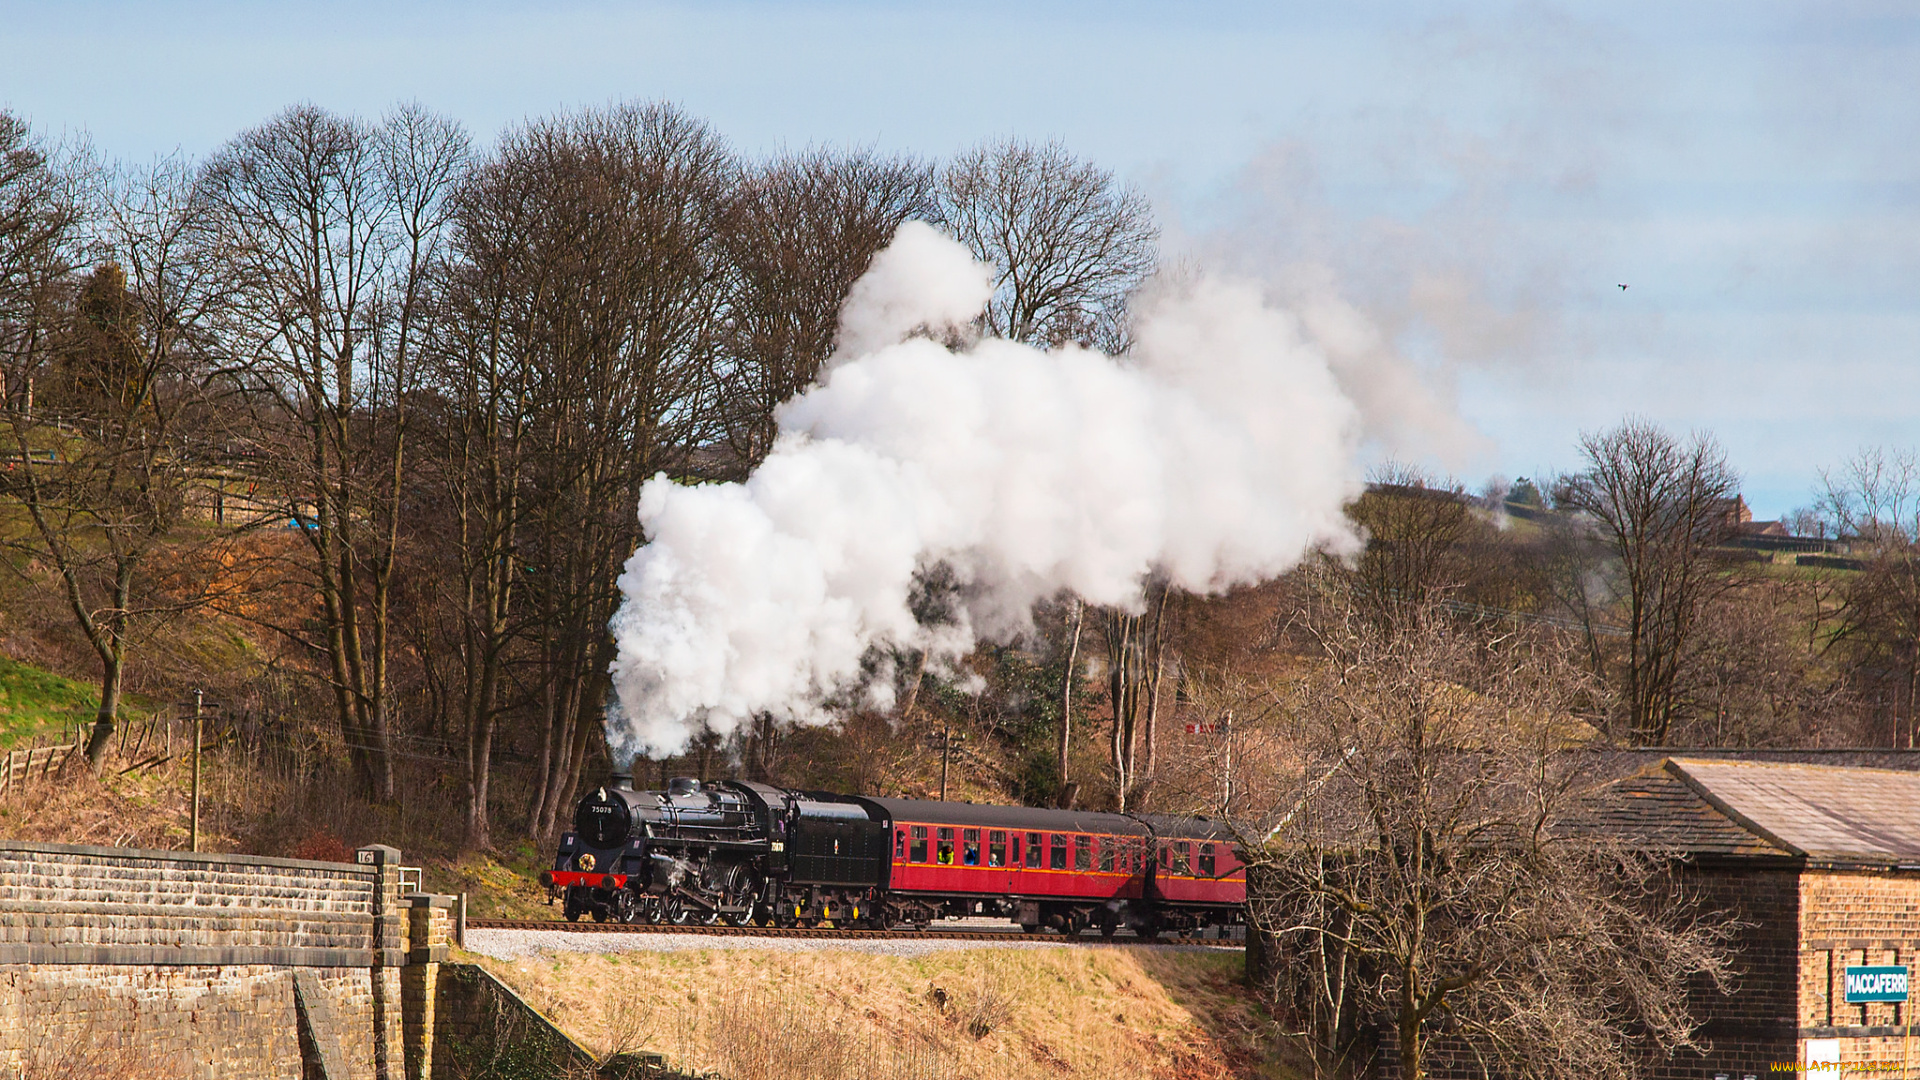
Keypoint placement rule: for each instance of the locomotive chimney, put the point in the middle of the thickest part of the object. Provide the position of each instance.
(621, 781)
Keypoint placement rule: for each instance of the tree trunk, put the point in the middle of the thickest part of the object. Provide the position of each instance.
(106, 718)
(1122, 691)
(1153, 684)
(1066, 695)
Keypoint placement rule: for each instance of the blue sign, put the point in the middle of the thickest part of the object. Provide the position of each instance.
(1876, 984)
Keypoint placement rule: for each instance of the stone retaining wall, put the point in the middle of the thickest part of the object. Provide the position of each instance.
(121, 963)
(159, 963)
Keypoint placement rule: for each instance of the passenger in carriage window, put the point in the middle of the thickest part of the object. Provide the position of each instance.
(943, 853)
(970, 844)
(1034, 852)
(1206, 861)
(996, 848)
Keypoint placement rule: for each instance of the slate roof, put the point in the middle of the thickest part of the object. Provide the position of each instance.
(1824, 813)
(1657, 809)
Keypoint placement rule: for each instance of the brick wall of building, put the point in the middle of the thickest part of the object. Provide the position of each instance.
(1857, 917)
(1747, 1030)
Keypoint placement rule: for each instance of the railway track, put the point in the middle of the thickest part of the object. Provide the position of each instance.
(834, 933)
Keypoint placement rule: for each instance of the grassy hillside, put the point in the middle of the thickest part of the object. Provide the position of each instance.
(982, 1014)
(33, 700)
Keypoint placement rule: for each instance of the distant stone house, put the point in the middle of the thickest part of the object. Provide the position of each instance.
(1821, 864)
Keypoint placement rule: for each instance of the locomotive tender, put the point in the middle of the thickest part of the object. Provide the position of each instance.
(738, 852)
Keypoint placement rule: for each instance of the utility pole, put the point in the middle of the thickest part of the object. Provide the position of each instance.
(193, 835)
(943, 742)
(1226, 788)
(946, 752)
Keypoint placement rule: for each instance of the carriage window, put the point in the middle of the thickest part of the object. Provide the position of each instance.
(1034, 853)
(1182, 858)
(1139, 854)
(1083, 853)
(943, 854)
(918, 852)
(899, 844)
(996, 848)
(970, 846)
(1059, 860)
(1015, 861)
(1164, 857)
(1206, 861)
(1106, 853)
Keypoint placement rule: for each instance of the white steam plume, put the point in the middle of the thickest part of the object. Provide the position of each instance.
(1218, 453)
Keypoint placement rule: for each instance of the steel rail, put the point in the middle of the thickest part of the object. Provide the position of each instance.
(833, 933)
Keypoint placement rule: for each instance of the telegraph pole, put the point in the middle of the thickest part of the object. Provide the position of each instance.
(943, 742)
(946, 751)
(193, 835)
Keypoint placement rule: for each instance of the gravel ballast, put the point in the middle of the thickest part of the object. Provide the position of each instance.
(514, 944)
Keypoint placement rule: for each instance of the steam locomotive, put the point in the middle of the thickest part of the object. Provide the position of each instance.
(746, 853)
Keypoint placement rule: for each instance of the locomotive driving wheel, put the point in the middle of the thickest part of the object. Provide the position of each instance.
(742, 891)
(625, 906)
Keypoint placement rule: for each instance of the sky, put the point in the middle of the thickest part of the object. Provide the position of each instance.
(1473, 180)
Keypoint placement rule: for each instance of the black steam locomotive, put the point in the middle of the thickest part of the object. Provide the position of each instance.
(738, 852)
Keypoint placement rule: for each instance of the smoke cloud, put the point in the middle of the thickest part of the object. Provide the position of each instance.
(1218, 452)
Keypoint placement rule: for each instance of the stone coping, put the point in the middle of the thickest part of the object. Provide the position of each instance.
(209, 857)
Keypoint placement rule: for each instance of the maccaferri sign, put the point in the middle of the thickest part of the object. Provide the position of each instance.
(1866, 984)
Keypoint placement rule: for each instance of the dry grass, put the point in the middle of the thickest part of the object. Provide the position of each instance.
(986, 1014)
(88, 1054)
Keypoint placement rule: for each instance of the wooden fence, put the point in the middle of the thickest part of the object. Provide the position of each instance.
(141, 741)
(18, 766)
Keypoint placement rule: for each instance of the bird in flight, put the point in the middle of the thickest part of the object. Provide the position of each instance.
(1623, 288)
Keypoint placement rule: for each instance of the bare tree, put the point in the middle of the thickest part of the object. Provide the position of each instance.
(1137, 663)
(578, 348)
(1659, 507)
(107, 462)
(326, 225)
(800, 231)
(1873, 502)
(1763, 671)
(45, 200)
(1069, 674)
(1416, 871)
(1068, 242)
(1417, 543)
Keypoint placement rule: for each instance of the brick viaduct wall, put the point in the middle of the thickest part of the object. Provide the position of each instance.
(209, 965)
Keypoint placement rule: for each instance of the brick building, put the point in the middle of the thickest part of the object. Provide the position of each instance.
(1821, 863)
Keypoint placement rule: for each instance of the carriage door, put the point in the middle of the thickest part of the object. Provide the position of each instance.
(1001, 878)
